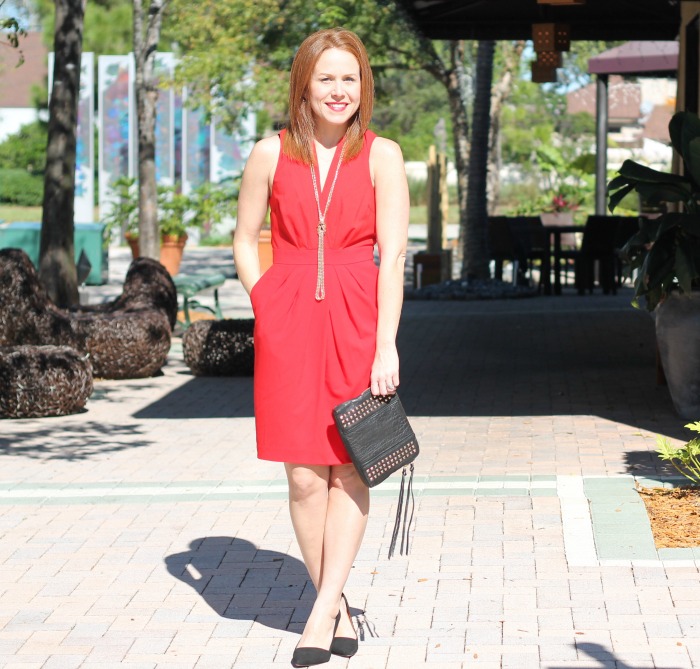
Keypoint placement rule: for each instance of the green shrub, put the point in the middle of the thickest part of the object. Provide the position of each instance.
(20, 187)
(686, 458)
(25, 149)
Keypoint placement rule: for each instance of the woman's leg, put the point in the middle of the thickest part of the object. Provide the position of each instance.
(308, 505)
(345, 523)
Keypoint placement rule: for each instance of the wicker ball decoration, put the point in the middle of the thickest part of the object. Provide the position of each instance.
(127, 338)
(147, 286)
(220, 348)
(27, 315)
(125, 345)
(40, 381)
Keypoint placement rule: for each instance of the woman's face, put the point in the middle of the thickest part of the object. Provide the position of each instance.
(334, 90)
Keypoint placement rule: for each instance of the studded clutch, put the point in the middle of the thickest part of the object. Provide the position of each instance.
(380, 441)
(376, 434)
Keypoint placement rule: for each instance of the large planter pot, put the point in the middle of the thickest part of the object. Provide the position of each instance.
(171, 249)
(678, 337)
(265, 250)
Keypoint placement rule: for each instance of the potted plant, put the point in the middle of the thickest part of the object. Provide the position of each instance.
(123, 213)
(174, 216)
(665, 254)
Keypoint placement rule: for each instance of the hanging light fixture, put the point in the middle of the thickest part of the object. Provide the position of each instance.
(549, 58)
(551, 36)
(542, 74)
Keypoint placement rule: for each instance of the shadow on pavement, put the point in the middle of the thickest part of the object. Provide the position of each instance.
(242, 582)
(537, 357)
(532, 359)
(204, 397)
(79, 441)
(606, 657)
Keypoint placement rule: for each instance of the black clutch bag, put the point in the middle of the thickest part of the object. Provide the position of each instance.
(380, 441)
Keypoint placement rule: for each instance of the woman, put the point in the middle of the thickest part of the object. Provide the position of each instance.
(326, 317)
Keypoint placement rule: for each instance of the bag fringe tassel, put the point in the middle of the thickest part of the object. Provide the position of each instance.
(402, 515)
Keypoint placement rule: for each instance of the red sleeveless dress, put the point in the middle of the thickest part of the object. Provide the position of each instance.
(311, 355)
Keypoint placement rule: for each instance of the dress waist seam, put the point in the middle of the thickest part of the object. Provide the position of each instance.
(347, 256)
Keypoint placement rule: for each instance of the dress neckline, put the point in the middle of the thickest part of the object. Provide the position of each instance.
(323, 196)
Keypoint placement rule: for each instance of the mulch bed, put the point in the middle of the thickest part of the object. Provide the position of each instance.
(675, 516)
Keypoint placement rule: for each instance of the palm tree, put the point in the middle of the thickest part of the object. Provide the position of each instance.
(56, 252)
(473, 236)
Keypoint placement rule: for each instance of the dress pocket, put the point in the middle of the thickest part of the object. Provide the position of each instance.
(258, 289)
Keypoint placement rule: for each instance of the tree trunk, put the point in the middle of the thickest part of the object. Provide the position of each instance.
(476, 252)
(455, 82)
(499, 94)
(56, 252)
(146, 36)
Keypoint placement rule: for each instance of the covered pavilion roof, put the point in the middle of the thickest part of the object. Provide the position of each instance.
(513, 19)
(637, 57)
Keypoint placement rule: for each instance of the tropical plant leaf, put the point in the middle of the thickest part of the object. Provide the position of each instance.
(655, 193)
(692, 159)
(689, 223)
(618, 182)
(689, 130)
(659, 265)
(675, 130)
(617, 197)
(685, 269)
(638, 172)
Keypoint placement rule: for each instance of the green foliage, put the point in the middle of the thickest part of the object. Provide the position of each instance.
(203, 208)
(685, 459)
(10, 32)
(25, 149)
(19, 187)
(123, 212)
(245, 48)
(665, 250)
(408, 108)
(107, 26)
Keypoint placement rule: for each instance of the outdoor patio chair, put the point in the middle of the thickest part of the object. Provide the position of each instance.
(530, 242)
(602, 238)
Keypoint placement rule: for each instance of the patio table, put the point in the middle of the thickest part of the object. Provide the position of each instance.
(554, 233)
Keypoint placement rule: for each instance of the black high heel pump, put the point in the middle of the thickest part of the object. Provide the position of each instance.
(341, 645)
(309, 656)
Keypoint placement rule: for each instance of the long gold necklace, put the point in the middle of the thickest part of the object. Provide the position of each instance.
(321, 228)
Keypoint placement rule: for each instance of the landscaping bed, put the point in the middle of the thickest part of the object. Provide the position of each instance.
(674, 514)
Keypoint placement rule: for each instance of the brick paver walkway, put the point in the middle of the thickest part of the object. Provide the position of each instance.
(145, 533)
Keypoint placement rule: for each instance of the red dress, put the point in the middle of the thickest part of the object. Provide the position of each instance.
(311, 355)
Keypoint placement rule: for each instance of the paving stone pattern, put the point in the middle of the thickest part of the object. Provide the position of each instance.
(144, 533)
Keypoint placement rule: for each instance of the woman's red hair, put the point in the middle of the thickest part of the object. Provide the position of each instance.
(298, 140)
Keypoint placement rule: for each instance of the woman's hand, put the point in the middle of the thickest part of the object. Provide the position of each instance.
(385, 370)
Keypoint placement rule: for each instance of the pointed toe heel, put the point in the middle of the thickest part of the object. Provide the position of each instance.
(341, 645)
(309, 657)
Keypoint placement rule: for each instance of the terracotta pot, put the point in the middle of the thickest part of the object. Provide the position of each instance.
(677, 327)
(265, 250)
(171, 249)
(133, 241)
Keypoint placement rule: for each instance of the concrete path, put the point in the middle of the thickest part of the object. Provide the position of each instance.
(144, 533)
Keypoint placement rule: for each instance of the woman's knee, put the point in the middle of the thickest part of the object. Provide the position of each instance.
(345, 477)
(306, 482)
